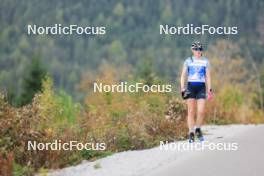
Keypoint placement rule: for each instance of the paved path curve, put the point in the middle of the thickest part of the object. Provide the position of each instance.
(248, 160)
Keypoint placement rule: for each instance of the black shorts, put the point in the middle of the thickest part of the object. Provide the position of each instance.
(197, 90)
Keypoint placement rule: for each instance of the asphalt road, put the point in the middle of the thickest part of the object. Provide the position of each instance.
(248, 160)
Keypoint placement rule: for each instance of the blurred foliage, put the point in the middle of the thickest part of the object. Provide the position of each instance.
(132, 33)
(122, 121)
(235, 87)
(132, 120)
(49, 117)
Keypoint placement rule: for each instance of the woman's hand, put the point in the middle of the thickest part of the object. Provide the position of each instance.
(210, 95)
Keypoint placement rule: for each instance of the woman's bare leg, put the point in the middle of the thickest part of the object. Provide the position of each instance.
(200, 112)
(191, 113)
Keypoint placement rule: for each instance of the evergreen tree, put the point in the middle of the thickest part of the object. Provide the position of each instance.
(145, 70)
(32, 80)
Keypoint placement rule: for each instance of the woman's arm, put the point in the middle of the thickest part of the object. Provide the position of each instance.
(183, 74)
(208, 80)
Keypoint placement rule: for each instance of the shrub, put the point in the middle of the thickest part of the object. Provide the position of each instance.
(50, 116)
(133, 121)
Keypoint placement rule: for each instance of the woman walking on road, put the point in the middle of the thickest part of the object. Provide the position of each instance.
(197, 70)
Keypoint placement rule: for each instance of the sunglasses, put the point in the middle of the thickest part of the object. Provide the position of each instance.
(198, 49)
